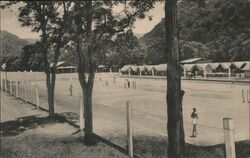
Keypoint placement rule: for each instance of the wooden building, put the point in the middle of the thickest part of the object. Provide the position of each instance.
(246, 70)
(64, 67)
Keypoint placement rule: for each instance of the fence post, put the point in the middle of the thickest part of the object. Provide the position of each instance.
(6, 87)
(54, 103)
(229, 137)
(114, 79)
(248, 96)
(134, 84)
(184, 72)
(1, 81)
(17, 87)
(129, 131)
(25, 92)
(10, 87)
(229, 73)
(243, 96)
(81, 112)
(37, 98)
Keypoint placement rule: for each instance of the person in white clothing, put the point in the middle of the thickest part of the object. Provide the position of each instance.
(194, 117)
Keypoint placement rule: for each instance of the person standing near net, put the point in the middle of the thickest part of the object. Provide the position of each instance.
(232, 83)
(71, 90)
(194, 117)
(128, 84)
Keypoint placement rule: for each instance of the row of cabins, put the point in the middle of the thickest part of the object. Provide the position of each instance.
(144, 70)
(239, 69)
(190, 68)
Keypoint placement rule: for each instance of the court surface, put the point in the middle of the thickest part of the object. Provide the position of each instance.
(213, 101)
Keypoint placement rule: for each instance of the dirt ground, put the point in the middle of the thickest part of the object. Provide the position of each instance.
(28, 133)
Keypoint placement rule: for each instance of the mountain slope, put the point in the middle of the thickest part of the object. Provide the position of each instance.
(219, 31)
(11, 44)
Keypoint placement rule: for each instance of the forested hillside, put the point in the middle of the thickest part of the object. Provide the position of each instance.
(220, 31)
(11, 45)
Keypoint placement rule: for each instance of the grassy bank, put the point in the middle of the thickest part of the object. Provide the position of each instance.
(156, 147)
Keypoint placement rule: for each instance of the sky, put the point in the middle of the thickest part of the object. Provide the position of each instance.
(10, 23)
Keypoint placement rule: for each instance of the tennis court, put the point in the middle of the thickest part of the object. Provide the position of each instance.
(213, 101)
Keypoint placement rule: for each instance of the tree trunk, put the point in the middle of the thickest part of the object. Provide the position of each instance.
(50, 84)
(87, 89)
(176, 138)
(88, 124)
(49, 88)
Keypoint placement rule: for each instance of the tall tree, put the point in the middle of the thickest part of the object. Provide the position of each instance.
(51, 19)
(95, 22)
(128, 49)
(176, 138)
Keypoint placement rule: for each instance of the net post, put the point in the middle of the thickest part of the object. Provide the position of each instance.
(25, 92)
(17, 88)
(10, 87)
(243, 95)
(1, 77)
(6, 85)
(37, 97)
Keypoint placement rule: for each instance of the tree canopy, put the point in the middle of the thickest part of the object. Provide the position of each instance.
(218, 31)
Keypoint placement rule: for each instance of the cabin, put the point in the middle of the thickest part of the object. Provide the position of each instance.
(204, 69)
(214, 66)
(125, 70)
(239, 65)
(64, 67)
(150, 70)
(246, 70)
(102, 68)
(143, 70)
(160, 69)
(134, 70)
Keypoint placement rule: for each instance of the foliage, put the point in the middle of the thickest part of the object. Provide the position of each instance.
(52, 20)
(11, 45)
(219, 31)
(8, 61)
(125, 50)
(30, 59)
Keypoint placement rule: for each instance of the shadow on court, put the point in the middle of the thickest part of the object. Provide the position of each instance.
(21, 124)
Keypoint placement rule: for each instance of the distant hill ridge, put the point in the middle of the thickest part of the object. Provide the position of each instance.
(11, 44)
